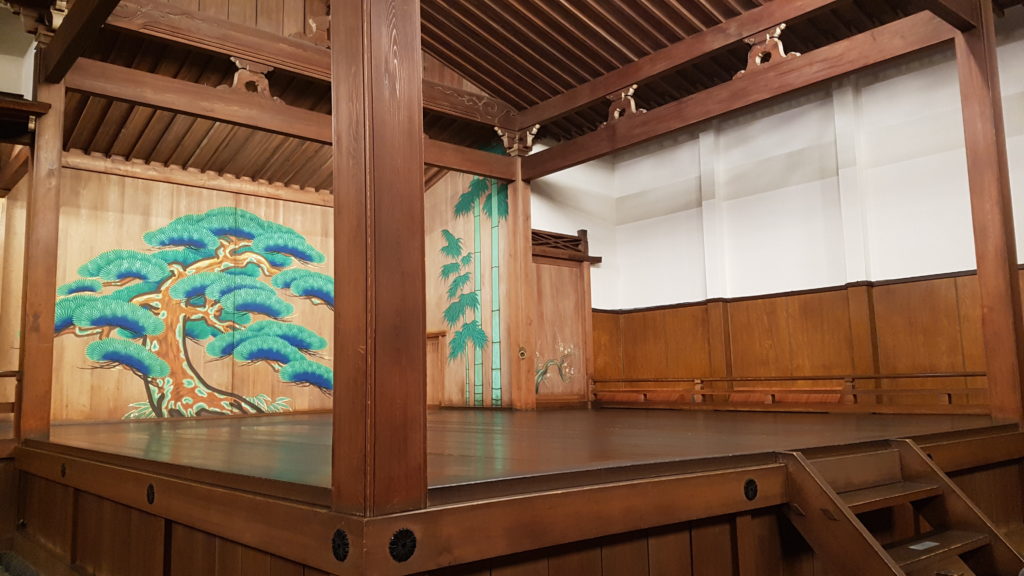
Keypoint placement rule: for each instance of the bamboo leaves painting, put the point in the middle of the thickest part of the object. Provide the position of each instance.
(463, 310)
(483, 198)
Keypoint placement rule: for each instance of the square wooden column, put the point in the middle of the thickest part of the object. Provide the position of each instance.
(379, 440)
(522, 286)
(992, 214)
(39, 289)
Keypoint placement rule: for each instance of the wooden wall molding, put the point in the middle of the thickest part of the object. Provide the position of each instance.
(78, 160)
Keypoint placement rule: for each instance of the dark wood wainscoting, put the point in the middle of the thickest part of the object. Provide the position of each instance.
(902, 346)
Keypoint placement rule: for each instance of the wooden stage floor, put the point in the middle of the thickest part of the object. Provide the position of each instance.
(474, 453)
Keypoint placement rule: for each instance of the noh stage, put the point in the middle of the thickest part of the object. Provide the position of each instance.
(474, 454)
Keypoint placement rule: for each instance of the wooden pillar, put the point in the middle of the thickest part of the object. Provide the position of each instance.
(521, 281)
(379, 440)
(522, 289)
(39, 290)
(992, 214)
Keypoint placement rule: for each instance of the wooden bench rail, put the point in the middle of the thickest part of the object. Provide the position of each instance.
(848, 396)
(840, 377)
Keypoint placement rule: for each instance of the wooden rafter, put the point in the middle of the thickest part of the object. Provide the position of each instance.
(206, 32)
(667, 59)
(889, 41)
(163, 93)
(80, 28)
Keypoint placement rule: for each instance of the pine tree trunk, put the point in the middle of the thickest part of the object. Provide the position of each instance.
(478, 355)
(183, 392)
(495, 303)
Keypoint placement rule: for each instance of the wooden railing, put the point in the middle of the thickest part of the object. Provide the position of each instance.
(7, 433)
(8, 407)
(744, 393)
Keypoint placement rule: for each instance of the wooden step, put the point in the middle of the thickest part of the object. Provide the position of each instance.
(858, 471)
(933, 547)
(887, 495)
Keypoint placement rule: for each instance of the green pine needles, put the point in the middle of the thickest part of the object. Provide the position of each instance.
(227, 280)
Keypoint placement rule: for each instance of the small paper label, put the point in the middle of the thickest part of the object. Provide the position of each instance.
(923, 545)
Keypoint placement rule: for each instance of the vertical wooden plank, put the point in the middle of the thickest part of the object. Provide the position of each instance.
(712, 548)
(863, 337)
(242, 11)
(588, 328)
(607, 345)
(521, 290)
(582, 561)
(8, 501)
(625, 557)
(719, 340)
(758, 547)
(669, 552)
(255, 562)
(270, 15)
(229, 558)
(281, 567)
(379, 440)
(992, 214)
(522, 566)
(192, 552)
(47, 509)
(294, 23)
(40, 286)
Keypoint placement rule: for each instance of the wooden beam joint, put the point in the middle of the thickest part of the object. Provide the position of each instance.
(518, 142)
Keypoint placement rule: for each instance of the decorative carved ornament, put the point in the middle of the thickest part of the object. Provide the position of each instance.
(766, 50)
(518, 142)
(251, 78)
(623, 105)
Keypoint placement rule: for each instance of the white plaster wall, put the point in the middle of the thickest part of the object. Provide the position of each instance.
(15, 56)
(1010, 31)
(861, 179)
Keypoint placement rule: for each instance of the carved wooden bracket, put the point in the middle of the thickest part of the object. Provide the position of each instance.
(765, 50)
(251, 78)
(623, 105)
(34, 19)
(518, 142)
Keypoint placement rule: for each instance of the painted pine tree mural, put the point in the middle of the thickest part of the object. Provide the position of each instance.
(488, 197)
(214, 279)
(463, 310)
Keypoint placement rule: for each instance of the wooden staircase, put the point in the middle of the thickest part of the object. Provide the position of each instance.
(888, 510)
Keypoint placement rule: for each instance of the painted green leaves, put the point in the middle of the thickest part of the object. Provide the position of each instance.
(129, 354)
(463, 302)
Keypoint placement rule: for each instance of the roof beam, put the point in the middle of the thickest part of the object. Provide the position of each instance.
(468, 160)
(962, 14)
(671, 57)
(896, 39)
(231, 106)
(452, 101)
(212, 34)
(77, 32)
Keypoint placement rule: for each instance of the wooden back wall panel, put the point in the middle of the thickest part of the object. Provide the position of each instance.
(101, 212)
(918, 326)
